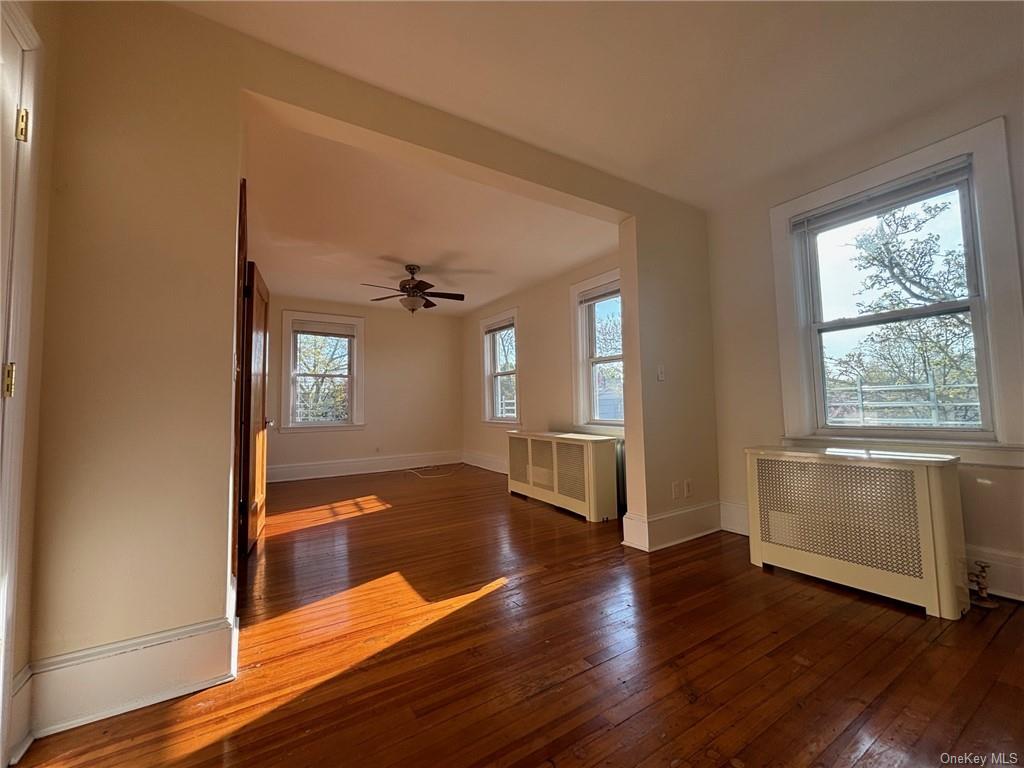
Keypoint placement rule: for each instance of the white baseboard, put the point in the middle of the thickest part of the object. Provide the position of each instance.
(735, 518)
(670, 528)
(21, 715)
(341, 467)
(486, 461)
(79, 687)
(1006, 576)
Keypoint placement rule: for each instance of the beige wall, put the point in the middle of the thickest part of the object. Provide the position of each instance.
(412, 387)
(545, 359)
(135, 435)
(746, 344)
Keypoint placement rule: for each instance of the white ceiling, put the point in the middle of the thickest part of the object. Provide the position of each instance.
(325, 216)
(696, 100)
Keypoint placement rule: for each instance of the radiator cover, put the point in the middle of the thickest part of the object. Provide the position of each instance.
(889, 523)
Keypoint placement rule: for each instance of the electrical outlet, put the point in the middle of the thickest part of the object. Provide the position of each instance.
(687, 488)
(675, 489)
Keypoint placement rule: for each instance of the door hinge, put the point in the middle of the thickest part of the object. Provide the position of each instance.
(9, 371)
(21, 128)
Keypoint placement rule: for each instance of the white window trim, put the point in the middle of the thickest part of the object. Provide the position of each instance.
(506, 317)
(357, 376)
(582, 419)
(1002, 315)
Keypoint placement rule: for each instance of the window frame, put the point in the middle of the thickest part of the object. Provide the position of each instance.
(582, 297)
(954, 176)
(491, 376)
(351, 327)
(997, 311)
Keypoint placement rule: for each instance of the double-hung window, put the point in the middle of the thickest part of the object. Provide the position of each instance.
(897, 331)
(501, 391)
(899, 301)
(321, 370)
(597, 307)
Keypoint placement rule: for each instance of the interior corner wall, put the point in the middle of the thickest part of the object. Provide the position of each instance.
(544, 363)
(747, 377)
(412, 387)
(135, 432)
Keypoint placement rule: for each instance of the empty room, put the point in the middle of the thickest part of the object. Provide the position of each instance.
(512, 384)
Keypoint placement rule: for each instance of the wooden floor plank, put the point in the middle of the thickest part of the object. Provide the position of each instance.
(396, 620)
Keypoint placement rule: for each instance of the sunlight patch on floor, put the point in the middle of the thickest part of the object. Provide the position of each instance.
(296, 520)
(374, 616)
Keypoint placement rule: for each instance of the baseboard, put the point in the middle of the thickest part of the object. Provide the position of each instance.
(486, 461)
(735, 518)
(670, 528)
(341, 467)
(1006, 576)
(21, 715)
(79, 687)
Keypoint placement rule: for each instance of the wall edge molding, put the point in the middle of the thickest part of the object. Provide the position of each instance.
(675, 526)
(280, 473)
(72, 689)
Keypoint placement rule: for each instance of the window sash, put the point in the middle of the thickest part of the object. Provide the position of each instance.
(496, 408)
(929, 184)
(587, 305)
(494, 376)
(303, 329)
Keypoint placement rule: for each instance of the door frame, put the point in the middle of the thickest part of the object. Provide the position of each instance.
(16, 328)
(238, 519)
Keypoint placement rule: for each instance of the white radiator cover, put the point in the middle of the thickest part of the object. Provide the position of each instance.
(572, 471)
(885, 522)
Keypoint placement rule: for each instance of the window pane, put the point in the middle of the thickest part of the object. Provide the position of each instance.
(320, 399)
(504, 349)
(608, 402)
(908, 256)
(505, 396)
(912, 373)
(607, 327)
(317, 353)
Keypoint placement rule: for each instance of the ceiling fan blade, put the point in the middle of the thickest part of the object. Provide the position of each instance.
(443, 295)
(427, 304)
(385, 287)
(393, 296)
(422, 285)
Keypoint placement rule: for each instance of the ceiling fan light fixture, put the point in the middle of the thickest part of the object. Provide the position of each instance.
(412, 303)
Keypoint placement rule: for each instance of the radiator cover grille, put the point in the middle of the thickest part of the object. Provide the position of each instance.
(861, 514)
(571, 471)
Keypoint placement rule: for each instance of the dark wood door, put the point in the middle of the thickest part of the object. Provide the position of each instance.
(254, 403)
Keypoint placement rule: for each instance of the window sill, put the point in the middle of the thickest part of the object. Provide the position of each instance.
(502, 423)
(981, 450)
(321, 428)
(607, 430)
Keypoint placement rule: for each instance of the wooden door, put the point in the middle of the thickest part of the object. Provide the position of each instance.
(254, 403)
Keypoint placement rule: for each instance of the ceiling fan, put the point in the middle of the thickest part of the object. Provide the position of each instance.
(414, 293)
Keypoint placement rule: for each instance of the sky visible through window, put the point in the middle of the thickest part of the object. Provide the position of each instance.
(842, 283)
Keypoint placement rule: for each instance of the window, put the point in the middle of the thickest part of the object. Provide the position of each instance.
(500, 369)
(321, 371)
(598, 350)
(899, 300)
(896, 306)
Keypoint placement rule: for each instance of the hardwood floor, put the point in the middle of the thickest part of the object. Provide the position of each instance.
(406, 621)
